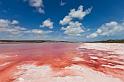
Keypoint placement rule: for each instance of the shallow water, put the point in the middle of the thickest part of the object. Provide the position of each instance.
(62, 62)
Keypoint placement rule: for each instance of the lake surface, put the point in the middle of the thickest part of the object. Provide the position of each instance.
(62, 62)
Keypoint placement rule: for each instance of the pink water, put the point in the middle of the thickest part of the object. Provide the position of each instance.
(60, 56)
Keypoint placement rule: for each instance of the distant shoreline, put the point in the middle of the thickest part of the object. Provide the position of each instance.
(30, 41)
(42, 41)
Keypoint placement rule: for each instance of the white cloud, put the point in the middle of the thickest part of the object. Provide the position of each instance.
(10, 26)
(66, 20)
(47, 23)
(37, 31)
(15, 22)
(108, 29)
(74, 29)
(93, 35)
(4, 23)
(62, 3)
(37, 4)
(79, 13)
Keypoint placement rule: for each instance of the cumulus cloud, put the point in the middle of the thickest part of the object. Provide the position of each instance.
(66, 20)
(47, 23)
(93, 35)
(108, 29)
(37, 4)
(15, 22)
(80, 13)
(39, 31)
(74, 29)
(11, 27)
(4, 23)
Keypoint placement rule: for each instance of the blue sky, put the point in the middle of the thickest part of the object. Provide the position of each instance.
(74, 20)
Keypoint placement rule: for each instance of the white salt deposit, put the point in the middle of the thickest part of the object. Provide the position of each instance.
(44, 73)
(115, 48)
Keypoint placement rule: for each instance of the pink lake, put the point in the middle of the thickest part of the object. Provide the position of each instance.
(62, 62)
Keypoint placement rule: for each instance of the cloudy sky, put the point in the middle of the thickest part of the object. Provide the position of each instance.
(73, 20)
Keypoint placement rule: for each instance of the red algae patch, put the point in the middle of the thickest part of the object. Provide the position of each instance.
(62, 62)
